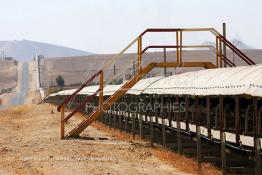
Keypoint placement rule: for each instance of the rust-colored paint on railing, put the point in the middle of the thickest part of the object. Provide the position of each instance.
(87, 99)
(158, 47)
(78, 90)
(237, 51)
(219, 37)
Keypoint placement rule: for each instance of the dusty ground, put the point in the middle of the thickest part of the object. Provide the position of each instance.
(30, 144)
(182, 163)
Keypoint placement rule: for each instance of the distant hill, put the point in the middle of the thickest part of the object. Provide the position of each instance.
(24, 50)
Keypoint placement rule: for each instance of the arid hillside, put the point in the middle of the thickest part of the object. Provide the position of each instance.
(76, 69)
(8, 74)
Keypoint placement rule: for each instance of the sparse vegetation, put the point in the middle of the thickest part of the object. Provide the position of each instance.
(60, 81)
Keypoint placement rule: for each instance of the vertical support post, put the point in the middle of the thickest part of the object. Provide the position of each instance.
(197, 117)
(101, 87)
(151, 131)
(151, 123)
(220, 53)
(141, 124)
(164, 132)
(222, 134)
(259, 121)
(164, 61)
(169, 108)
(199, 150)
(110, 118)
(186, 115)
(237, 118)
(114, 119)
(217, 51)
(247, 118)
(258, 157)
(127, 114)
(177, 49)
(223, 153)
(181, 47)
(106, 118)
(221, 114)
(179, 144)
(193, 112)
(120, 117)
(208, 116)
(62, 122)
(216, 116)
(256, 138)
(225, 115)
(163, 122)
(133, 123)
(139, 51)
(102, 118)
(224, 44)
(157, 111)
(126, 121)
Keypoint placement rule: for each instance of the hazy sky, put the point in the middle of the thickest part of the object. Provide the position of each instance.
(106, 26)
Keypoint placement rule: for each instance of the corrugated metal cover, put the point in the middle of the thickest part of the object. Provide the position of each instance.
(223, 81)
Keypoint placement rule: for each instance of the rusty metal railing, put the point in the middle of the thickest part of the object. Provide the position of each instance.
(80, 104)
(220, 39)
(220, 58)
(86, 83)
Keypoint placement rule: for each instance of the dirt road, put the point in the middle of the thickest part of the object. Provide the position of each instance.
(30, 144)
(22, 87)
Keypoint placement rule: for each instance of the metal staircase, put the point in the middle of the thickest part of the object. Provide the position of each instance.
(142, 70)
